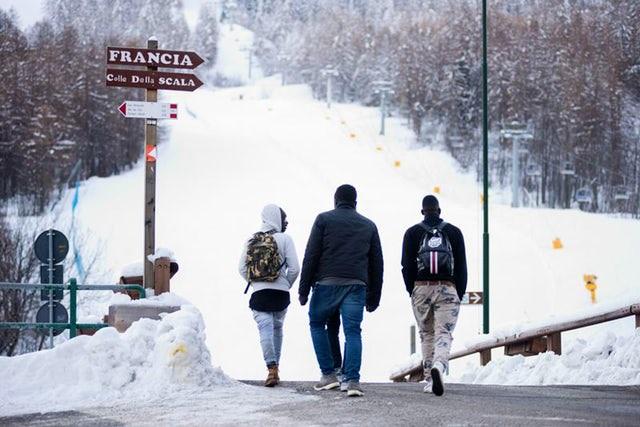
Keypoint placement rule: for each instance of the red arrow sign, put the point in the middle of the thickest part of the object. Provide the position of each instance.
(153, 80)
(123, 108)
(153, 58)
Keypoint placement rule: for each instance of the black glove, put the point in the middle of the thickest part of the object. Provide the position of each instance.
(303, 299)
(371, 308)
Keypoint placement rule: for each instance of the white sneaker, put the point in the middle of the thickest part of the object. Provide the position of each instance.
(428, 387)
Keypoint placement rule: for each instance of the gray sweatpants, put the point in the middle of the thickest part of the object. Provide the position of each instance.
(436, 309)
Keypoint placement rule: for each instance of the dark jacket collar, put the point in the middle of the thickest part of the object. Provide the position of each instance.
(345, 205)
(432, 219)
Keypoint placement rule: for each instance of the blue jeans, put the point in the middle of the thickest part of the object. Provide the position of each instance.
(325, 301)
(270, 328)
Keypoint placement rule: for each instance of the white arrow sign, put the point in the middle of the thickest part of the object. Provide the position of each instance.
(148, 110)
(472, 298)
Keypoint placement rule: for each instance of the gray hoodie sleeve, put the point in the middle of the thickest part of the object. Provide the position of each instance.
(291, 259)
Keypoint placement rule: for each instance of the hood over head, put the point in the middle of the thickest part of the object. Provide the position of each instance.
(272, 218)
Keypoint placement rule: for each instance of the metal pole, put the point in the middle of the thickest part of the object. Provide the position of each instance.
(485, 172)
(383, 107)
(151, 95)
(412, 339)
(73, 295)
(50, 266)
(515, 171)
(329, 90)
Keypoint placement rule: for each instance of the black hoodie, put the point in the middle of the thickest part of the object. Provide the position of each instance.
(411, 244)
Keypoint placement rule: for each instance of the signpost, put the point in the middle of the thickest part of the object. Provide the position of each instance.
(51, 248)
(473, 298)
(148, 110)
(151, 80)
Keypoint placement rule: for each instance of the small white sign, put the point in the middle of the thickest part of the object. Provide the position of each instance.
(473, 298)
(148, 110)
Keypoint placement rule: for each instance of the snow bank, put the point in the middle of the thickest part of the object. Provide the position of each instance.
(626, 299)
(606, 359)
(152, 358)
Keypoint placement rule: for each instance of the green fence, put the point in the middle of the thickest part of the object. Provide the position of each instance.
(73, 288)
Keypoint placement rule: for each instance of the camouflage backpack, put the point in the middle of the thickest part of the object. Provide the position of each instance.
(263, 259)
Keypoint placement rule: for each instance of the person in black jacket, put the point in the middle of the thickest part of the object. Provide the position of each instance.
(435, 275)
(343, 263)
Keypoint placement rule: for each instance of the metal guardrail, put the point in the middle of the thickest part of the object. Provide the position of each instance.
(73, 288)
(550, 332)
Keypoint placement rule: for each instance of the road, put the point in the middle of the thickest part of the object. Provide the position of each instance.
(388, 405)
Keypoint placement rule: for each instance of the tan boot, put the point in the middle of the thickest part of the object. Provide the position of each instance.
(272, 377)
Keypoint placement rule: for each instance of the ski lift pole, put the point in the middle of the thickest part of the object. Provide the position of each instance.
(329, 72)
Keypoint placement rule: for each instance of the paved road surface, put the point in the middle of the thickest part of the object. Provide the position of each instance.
(391, 405)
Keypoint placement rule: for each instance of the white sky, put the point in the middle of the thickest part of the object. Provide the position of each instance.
(30, 11)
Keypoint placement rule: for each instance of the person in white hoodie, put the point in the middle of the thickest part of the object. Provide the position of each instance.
(270, 299)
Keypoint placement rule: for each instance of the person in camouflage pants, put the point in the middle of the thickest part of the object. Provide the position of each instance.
(434, 269)
(436, 308)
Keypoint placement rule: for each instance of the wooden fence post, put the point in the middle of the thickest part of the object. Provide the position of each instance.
(485, 357)
(554, 343)
(161, 275)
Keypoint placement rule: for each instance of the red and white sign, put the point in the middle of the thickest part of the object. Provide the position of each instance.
(148, 110)
(151, 153)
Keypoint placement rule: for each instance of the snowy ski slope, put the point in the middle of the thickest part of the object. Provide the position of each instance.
(234, 150)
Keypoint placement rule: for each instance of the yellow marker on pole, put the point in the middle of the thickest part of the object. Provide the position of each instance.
(396, 163)
(352, 135)
(557, 243)
(436, 189)
(379, 148)
(591, 285)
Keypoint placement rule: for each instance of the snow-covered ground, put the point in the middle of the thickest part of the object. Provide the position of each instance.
(234, 150)
(152, 362)
(604, 358)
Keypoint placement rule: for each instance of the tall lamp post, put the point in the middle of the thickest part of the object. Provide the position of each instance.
(485, 173)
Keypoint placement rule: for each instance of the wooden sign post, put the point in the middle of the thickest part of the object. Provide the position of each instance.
(150, 143)
(151, 80)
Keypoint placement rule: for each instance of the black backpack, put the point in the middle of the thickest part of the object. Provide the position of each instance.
(435, 255)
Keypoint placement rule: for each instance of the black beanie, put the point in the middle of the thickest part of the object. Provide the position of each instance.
(430, 203)
(346, 193)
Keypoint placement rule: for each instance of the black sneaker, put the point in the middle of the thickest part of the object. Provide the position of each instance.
(436, 378)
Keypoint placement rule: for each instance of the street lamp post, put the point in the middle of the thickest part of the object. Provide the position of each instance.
(485, 174)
